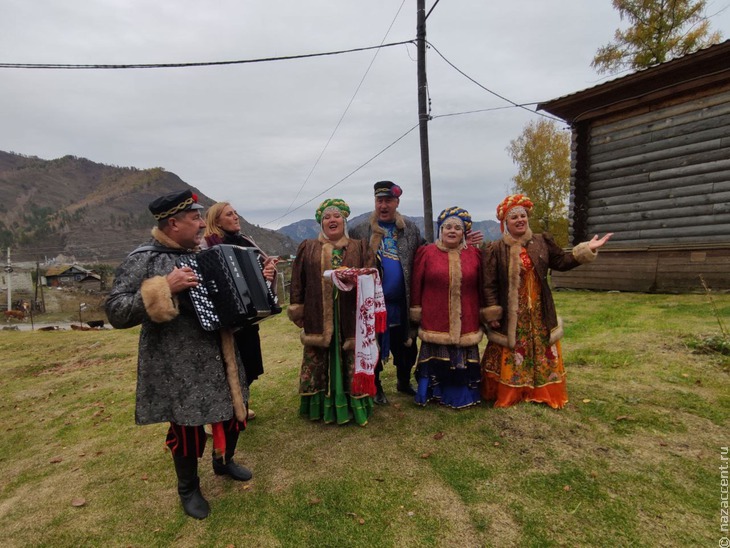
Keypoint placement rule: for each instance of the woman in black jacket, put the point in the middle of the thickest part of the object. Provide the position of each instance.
(223, 226)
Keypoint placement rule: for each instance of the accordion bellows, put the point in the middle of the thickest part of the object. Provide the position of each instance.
(232, 291)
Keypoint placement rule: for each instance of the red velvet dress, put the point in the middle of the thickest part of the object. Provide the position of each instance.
(445, 301)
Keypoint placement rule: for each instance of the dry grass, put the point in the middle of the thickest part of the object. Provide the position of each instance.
(632, 459)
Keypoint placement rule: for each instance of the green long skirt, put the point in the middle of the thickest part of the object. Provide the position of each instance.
(335, 404)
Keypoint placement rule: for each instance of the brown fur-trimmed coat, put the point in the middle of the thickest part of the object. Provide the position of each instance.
(310, 298)
(502, 280)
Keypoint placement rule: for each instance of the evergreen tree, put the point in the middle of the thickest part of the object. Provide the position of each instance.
(659, 30)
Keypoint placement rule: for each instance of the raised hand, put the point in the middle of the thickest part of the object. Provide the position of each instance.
(474, 237)
(597, 242)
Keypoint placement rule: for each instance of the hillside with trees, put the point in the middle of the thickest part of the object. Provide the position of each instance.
(89, 211)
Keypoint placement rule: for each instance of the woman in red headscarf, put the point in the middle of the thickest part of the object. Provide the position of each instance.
(523, 360)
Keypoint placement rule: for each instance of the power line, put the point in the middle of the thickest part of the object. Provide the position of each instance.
(193, 64)
(432, 8)
(100, 245)
(510, 101)
(106, 244)
(347, 108)
(135, 243)
(293, 57)
(480, 110)
(343, 179)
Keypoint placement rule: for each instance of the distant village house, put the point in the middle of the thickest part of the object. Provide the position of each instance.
(72, 276)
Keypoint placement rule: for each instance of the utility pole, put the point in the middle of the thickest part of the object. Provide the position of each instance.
(423, 118)
(39, 283)
(35, 299)
(9, 271)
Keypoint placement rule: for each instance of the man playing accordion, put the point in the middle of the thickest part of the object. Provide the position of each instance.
(186, 376)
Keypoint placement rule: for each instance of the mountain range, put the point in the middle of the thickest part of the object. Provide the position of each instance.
(75, 210)
(308, 228)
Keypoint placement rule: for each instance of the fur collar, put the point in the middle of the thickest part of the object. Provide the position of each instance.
(378, 232)
(522, 240)
(165, 240)
(339, 244)
(400, 222)
(442, 247)
(515, 248)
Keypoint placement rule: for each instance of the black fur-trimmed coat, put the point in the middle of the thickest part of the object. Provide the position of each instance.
(185, 375)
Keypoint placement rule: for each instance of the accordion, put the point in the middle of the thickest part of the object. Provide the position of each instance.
(231, 290)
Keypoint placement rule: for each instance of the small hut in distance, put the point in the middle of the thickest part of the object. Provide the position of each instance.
(650, 162)
(72, 276)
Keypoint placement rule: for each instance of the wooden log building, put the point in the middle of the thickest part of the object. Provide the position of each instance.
(650, 162)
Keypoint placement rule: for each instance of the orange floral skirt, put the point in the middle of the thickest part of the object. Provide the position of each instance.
(534, 370)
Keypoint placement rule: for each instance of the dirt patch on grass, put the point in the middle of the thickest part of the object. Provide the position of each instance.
(70, 367)
(659, 449)
(442, 504)
(503, 529)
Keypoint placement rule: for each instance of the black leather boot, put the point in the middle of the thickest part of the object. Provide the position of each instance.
(404, 381)
(380, 398)
(188, 487)
(229, 467)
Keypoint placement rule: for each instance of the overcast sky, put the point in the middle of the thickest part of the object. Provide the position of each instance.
(257, 134)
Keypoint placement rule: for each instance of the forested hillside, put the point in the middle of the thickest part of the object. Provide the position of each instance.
(92, 212)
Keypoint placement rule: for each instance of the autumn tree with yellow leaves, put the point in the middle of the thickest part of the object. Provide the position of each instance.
(542, 155)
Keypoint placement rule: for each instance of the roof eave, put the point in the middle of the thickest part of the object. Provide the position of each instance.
(701, 68)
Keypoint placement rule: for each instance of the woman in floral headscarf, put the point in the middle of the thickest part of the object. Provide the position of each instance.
(523, 360)
(327, 317)
(446, 304)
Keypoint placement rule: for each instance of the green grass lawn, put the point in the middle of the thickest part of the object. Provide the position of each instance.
(633, 459)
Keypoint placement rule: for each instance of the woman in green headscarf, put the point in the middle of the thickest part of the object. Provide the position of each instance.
(327, 317)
